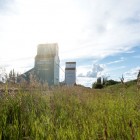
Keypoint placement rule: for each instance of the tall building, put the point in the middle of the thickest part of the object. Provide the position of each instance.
(47, 63)
(70, 73)
(46, 68)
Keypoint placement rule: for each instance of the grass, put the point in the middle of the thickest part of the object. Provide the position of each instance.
(71, 113)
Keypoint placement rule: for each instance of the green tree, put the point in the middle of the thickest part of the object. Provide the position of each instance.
(12, 76)
(111, 82)
(97, 85)
(138, 76)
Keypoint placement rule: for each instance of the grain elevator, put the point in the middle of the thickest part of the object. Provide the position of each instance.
(47, 63)
(70, 73)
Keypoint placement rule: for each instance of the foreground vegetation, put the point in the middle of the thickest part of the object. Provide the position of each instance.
(71, 113)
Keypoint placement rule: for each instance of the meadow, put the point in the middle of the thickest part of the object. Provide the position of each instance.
(71, 113)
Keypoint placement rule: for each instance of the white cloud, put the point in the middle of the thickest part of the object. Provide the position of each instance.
(97, 70)
(82, 70)
(131, 74)
(130, 52)
(117, 61)
(117, 68)
(86, 81)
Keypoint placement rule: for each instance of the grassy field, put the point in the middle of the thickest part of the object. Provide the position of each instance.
(71, 113)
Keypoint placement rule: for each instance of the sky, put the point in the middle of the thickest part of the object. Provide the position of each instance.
(102, 36)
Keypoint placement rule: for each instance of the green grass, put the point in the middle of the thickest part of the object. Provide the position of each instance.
(74, 113)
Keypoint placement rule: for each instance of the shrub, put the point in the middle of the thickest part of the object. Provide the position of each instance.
(97, 86)
(111, 82)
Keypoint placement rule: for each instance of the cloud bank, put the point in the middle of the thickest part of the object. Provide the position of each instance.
(96, 71)
(131, 74)
(89, 28)
(83, 29)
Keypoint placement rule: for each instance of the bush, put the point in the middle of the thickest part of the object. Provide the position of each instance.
(97, 86)
(111, 82)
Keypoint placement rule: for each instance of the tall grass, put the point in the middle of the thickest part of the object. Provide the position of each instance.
(71, 113)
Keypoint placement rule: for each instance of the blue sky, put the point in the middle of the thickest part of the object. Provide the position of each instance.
(113, 66)
(103, 37)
